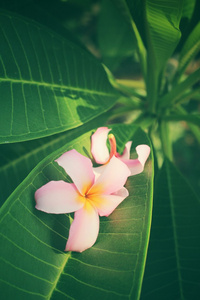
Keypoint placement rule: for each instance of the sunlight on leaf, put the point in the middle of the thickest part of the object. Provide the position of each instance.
(48, 83)
(17, 160)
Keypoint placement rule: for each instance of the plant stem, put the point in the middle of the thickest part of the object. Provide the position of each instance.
(141, 50)
(165, 140)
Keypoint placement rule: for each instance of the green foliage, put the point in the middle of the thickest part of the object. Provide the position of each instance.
(54, 94)
(173, 268)
(113, 21)
(32, 242)
(188, 8)
(16, 161)
(44, 77)
(190, 49)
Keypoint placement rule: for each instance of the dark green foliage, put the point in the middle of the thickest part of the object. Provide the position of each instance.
(54, 93)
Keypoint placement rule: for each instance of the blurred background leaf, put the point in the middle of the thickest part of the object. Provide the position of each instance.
(189, 51)
(173, 265)
(115, 34)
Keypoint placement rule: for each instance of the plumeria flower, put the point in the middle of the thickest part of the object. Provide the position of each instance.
(87, 196)
(102, 155)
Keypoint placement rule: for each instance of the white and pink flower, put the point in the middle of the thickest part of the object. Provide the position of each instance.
(102, 155)
(95, 191)
(88, 196)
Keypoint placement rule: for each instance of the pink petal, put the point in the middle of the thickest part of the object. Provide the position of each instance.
(105, 204)
(99, 148)
(79, 168)
(58, 197)
(136, 166)
(98, 170)
(84, 229)
(126, 153)
(112, 178)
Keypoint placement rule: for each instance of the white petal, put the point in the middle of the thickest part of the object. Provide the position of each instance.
(79, 168)
(126, 152)
(112, 178)
(58, 197)
(105, 204)
(99, 148)
(84, 229)
(98, 170)
(143, 152)
(136, 166)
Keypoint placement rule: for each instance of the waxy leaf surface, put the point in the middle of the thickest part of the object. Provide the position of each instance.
(18, 159)
(47, 83)
(33, 264)
(173, 265)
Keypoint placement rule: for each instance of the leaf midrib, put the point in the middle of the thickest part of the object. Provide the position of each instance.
(58, 86)
(174, 231)
(68, 256)
(30, 153)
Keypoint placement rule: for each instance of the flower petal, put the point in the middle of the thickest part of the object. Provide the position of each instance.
(58, 197)
(105, 204)
(84, 229)
(79, 168)
(99, 148)
(98, 170)
(126, 153)
(136, 166)
(112, 178)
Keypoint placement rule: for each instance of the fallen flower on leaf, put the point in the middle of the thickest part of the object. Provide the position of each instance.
(88, 196)
(102, 155)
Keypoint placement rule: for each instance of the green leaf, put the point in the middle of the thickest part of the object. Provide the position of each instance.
(47, 83)
(130, 8)
(136, 8)
(119, 35)
(179, 90)
(188, 8)
(115, 34)
(18, 159)
(191, 118)
(194, 129)
(192, 94)
(163, 35)
(33, 264)
(173, 265)
(158, 23)
(189, 50)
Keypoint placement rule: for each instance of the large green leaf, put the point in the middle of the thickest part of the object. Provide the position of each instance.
(173, 264)
(18, 159)
(47, 83)
(162, 28)
(33, 264)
